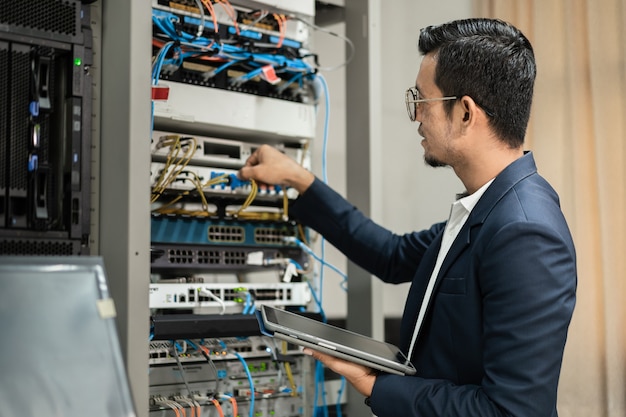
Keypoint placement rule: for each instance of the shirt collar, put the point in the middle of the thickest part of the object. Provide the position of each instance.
(470, 201)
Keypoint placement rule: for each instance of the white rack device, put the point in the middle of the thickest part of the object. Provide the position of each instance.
(228, 296)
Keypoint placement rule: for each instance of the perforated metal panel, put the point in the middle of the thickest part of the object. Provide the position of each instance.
(39, 247)
(20, 89)
(58, 19)
(4, 102)
(43, 81)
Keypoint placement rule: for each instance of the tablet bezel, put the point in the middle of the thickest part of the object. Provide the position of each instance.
(307, 334)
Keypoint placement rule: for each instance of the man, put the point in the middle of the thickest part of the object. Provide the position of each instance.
(493, 288)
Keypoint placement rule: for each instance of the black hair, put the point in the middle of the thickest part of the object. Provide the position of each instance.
(490, 61)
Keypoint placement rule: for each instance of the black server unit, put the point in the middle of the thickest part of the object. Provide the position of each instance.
(45, 127)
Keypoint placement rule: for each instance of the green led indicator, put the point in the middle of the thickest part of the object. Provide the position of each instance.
(78, 62)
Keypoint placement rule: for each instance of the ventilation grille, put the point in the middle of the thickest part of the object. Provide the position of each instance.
(56, 16)
(34, 247)
(20, 128)
(4, 104)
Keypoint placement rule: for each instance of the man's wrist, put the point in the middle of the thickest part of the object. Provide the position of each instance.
(302, 181)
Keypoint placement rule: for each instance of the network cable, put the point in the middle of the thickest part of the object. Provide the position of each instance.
(162, 401)
(249, 306)
(319, 377)
(168, 25)
(175, 348)
(202, 17)
(292, 239)
(204, 351)
(342, 387)
(205, 292)
(233, 403)
(156, 71)
(248, 374)
(351, 49)
(322, 81)
(318, 301)
(193, 405)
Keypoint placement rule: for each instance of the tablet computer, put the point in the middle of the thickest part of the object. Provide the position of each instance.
(354, 347)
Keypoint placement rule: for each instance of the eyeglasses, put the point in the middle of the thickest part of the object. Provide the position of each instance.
(411, 97)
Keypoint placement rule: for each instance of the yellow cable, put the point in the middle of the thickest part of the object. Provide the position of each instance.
(260, 215)
(305, 148)
(302, 234)
(178, 164)
(249, 199)
(285, 205)
(289, 373)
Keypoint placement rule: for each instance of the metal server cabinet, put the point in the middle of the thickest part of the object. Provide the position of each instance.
(45, 127)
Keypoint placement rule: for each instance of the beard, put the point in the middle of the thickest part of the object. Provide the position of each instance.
(433, 162)
(430, 160)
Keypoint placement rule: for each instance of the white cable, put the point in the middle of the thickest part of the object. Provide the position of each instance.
(345, 39)
(208, 293)
(291, 239)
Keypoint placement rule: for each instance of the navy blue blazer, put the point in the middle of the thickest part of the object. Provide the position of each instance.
(493, 337)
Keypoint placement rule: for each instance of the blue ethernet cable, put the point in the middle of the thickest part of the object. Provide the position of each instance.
(342, 387)
(322, 80)
(248, 374)
(318, 302)
(248, 307)
(314, 255)
(166, 23)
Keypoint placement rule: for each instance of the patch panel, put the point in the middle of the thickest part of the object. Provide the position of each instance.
(208, 231)
(228, 296)
(245, 33)
(177, 258)
(260, 27)
(282, 382)
(218, 152)
(235, 79)
(192, 178)
(254, 349)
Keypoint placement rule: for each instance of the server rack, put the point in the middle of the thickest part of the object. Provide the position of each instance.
(45, 127)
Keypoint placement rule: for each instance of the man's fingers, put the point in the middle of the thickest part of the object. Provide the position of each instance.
(316, 354)
(252, 159)
(245, 173)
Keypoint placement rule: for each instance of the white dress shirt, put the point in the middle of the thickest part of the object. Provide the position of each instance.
(459, 213)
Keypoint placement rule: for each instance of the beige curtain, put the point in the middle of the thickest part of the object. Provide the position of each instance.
(578, 135)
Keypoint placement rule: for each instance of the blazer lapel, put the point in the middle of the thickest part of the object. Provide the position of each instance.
(503, 183)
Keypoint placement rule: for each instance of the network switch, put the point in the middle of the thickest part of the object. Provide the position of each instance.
(228, 297)
(246, 115)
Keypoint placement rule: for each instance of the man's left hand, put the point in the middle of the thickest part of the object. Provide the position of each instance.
(361, 377)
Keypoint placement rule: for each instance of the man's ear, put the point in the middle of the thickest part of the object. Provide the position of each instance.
(469, 109)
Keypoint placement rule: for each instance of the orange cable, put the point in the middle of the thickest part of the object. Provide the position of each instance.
(281, 29)
(211, 10)
(233, 401)
(230, 11)
(218, 406)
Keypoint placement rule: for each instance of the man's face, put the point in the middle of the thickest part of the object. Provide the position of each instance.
(435, 126)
